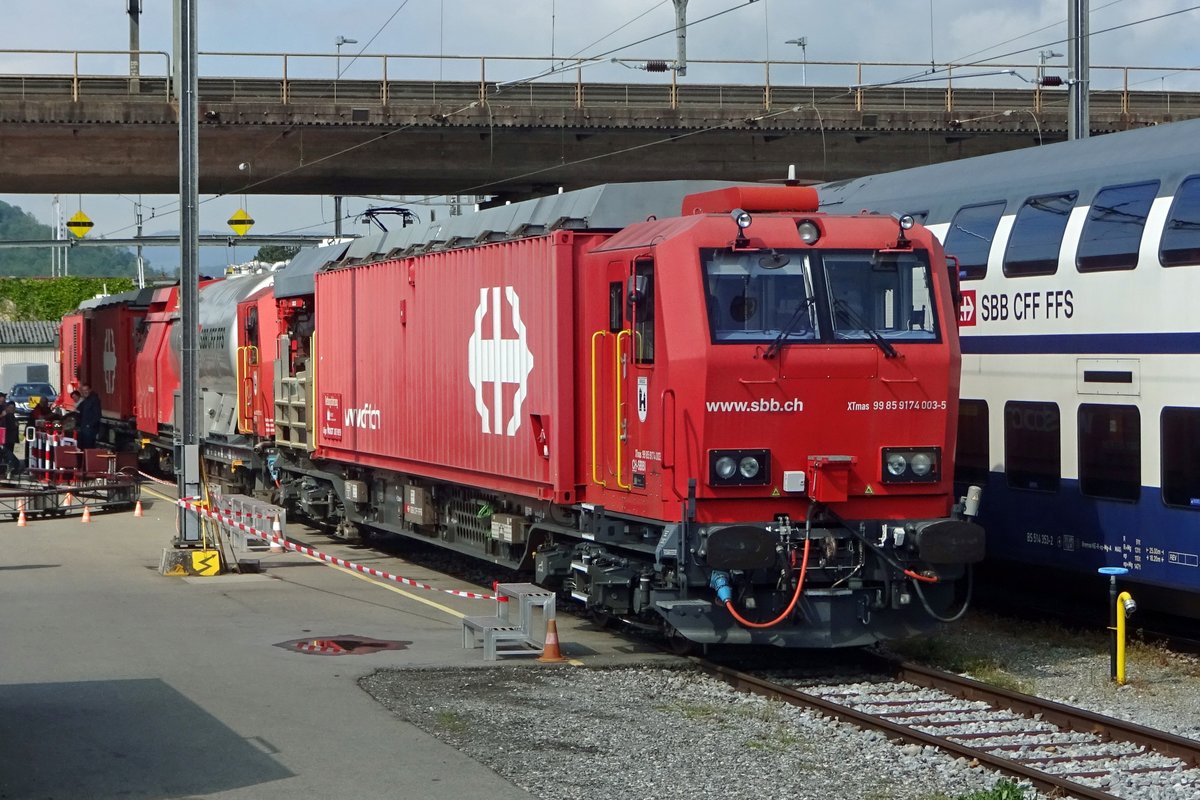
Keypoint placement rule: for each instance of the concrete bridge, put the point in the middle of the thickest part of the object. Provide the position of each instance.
(97, 133)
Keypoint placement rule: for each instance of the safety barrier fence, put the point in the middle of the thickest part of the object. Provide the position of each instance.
(196, 505)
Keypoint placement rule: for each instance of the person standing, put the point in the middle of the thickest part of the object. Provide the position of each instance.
(88, 409)
(12, 431)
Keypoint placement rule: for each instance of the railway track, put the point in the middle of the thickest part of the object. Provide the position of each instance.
(1065, 751)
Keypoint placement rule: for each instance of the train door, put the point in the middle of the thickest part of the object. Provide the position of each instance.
(622, 363)
(248, 356)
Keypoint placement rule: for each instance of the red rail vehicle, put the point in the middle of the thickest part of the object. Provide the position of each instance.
(715, 411)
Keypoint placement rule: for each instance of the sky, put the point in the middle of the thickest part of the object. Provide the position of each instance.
(917, 32)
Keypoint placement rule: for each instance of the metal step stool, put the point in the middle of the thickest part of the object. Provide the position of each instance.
(493, 631)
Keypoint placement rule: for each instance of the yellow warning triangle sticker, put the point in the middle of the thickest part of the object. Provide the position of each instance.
(79, 224)
(241, 222)
(869, 489)
(775, 492)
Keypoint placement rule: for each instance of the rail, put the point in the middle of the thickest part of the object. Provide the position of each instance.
(387, 79)
(1074, 719)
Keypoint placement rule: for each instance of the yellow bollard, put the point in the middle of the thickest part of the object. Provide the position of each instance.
(1125, 607)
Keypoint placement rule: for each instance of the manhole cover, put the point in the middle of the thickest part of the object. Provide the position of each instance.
(342, 645)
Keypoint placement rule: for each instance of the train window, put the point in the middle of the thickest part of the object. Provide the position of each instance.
(970, 238)
(1032, 457)
(641, 297)
(756, 298)
(1037, 235)
(1180, 465)
(1112, 233)
(1110, 452)
(972, 461)
(1181, 236)
(875, 295)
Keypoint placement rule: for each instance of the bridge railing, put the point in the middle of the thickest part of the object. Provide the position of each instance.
(755, 86)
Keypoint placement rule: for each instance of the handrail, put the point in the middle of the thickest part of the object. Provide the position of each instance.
(854, 79)
(595, 426)
(247, 359)
(618, 427)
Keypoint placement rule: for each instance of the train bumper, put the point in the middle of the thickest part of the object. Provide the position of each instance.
(825, 619)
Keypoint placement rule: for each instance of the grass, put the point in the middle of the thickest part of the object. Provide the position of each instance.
(958, 656)
(1003, 790)
(451, 722)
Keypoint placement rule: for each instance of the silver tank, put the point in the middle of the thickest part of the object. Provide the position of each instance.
(217, 355)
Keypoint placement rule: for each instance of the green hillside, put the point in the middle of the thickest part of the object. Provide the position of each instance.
(16, 224)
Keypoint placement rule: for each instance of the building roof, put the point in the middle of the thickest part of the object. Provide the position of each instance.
(30, 333)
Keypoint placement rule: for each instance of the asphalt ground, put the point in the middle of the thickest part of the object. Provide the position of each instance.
(116, 681)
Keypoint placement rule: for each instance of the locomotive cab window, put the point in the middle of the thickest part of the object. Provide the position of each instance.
(1032, 454)
(1112, 234)
(641, 301)
(1181, 236)
(1180, 465)
(972, 462)
(1110, 452)
(1037, 235)
(885, 295)
(757, 298)
(970, 238)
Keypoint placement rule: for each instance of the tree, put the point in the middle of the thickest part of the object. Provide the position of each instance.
(272, 253)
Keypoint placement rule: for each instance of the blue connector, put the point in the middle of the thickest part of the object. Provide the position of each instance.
(719, 581)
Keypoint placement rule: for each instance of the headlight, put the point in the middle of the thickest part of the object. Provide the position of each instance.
(912, 464)
(808, 230)
(749, 467)
(739, 467)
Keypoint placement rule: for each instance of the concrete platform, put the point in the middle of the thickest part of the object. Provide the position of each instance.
(116, 681)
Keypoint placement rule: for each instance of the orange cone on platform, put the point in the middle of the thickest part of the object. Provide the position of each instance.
(87, 514)
(21, 521)
(551, 653)
(276, 530)
(137, 510)
(69, 499)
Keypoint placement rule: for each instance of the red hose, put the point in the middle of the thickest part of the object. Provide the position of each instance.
(919, 577)
(787, 611)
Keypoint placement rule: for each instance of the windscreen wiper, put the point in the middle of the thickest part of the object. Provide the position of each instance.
(789, 328)
(850, 315)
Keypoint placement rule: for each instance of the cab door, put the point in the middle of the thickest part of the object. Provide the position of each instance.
(622, 364)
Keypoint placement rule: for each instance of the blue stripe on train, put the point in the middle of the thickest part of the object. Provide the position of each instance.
(1066, 530)
(1083, 343)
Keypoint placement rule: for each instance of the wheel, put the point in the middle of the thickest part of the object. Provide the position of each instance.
(679, 644)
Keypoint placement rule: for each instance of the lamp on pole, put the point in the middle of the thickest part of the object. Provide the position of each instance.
(338, 42)
(802, 43)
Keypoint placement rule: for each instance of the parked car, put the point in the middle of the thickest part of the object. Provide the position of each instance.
(23, 394)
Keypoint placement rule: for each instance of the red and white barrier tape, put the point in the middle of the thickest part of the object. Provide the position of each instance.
(341, 562)
(247, 514)
(153, 479)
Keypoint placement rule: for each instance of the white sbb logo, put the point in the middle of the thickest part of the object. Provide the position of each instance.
(498, 361)
(110, 361)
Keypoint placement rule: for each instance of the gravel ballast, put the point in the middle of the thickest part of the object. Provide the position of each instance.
(583, 733)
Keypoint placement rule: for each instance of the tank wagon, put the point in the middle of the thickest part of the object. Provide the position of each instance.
(696, 406)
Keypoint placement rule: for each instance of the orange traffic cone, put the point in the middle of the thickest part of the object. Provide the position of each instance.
(137, 510)
(21, 521)
(69, 499)
(550, 653)
(276, 531)
(87, 514)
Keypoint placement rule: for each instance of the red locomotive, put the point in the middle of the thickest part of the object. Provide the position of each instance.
(716, 411)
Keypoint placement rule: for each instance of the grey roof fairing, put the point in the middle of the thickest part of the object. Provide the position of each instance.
(296, 279)
(1166, 152)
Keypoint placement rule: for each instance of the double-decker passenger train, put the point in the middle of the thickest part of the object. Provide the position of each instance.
(1080, 266)
(703, 407)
